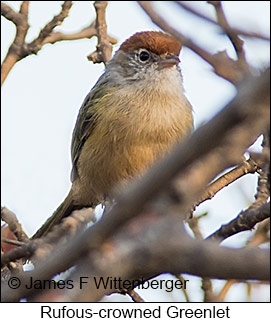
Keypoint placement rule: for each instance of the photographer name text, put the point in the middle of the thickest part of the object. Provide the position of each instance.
(100, 283)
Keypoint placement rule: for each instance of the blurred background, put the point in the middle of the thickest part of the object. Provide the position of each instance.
(43, 93)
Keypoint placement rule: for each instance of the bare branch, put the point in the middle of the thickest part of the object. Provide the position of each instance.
(200, 143)
(13, 223)
(186, 296)
(36, 44)
(247, 167)
(17, 47)
(206, 283)
(223, 65)
(103, 52)
(258, 238)
(193, 223)
(86, 32)
(244, 221)
(128, 235)
(25, 251)
(225, 289)
(135, 296)
(41, 247)
(234, 123)
(23, 26)
(124, 254)
(263, 188)
(13, 242)
(261, 234)
(10, 14)
(227, 28)
(236, 41)
(234, 38)
(258, 210)
(207, 287)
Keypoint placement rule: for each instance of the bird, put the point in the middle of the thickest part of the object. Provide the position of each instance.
(134, 114)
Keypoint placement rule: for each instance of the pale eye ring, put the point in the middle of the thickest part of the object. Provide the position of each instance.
(144, 56)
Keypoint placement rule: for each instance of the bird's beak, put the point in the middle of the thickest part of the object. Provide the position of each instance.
(168, 61)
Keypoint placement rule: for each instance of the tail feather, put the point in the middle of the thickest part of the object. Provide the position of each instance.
(65, 209)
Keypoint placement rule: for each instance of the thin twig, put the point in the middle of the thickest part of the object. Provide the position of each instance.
(186, 296)
(13, 242)
(263, 187)
(258, 210)
(124, 257)
(20, 49)
(227, 28)
(246, 220)
(24, 251)
(236, 41)
(247, 167)
(10, 14)
(260, 236)
(13, 223)
(223, 22)
(57, 20)
(41, 247)
(135, 296)
(206, 283)
(225, 289)
(194, 225)
(207, 287)
(86, 32)
(17, 47)
(103, 52)
(223, 65)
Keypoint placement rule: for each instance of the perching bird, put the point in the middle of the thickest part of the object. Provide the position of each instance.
(135, 113)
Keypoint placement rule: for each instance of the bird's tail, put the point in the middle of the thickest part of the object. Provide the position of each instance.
(64, 209)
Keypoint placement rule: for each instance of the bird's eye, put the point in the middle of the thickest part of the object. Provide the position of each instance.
(144, 56)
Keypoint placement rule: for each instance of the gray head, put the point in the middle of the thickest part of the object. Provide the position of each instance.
(144, 55)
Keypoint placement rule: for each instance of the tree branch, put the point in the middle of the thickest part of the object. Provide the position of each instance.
(124, 254)
(223, 65)
(103, 52)
(35, 45)
(230, 133)
(13, 223)
(17, 47)
(10, 14)
(244, 221)
(226, 28)
(41, 247)
(13, 242)
(135, 296)
(247, 167)
(236, 41)
(263, 187)
(129, 234)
